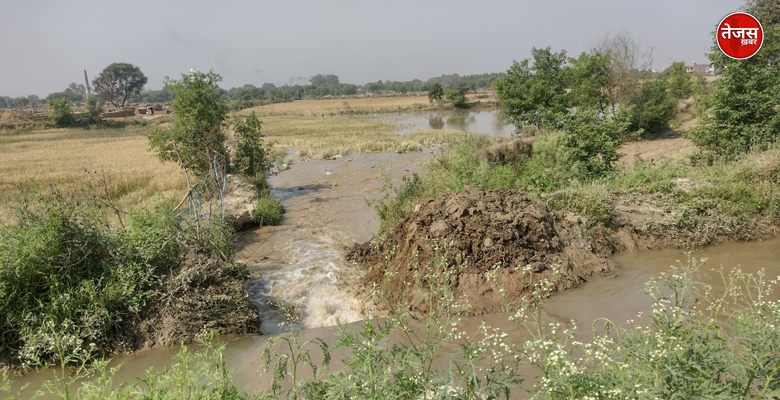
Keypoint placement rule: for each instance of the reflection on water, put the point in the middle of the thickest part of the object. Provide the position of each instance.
(489, 122)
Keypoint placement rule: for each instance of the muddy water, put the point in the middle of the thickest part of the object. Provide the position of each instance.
(300, 262)
(488, 122)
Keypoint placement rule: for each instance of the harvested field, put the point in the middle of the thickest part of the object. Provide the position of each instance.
(61, 157)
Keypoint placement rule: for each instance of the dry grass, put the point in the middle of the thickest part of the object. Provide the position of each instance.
(321, 107)
(326, 137)
(61, 158)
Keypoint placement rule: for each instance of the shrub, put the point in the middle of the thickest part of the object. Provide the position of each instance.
(744, 109)
(251, 158)
(60, 113)
(457, 98)
(69, 283)
(94, 109)
(268, 210)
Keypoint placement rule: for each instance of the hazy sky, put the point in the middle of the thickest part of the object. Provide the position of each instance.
(46, 45)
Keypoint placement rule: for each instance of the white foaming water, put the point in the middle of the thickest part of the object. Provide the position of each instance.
(309, 280)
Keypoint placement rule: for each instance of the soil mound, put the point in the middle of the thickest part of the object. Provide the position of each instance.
(502, 230)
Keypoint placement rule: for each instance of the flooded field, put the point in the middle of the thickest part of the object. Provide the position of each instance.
(488, 122)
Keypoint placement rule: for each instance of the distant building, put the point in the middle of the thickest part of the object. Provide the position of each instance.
(703, 69)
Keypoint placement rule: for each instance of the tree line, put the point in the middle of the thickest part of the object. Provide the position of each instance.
(120, 83)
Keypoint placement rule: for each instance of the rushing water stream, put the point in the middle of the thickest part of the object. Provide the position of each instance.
(301, 263)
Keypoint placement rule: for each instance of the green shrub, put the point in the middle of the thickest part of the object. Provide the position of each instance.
(60, 113)
(68, 280)
(268, 210)
(251, 158)
(457, 98)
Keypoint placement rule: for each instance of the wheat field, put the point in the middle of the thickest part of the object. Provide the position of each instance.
(65, 157)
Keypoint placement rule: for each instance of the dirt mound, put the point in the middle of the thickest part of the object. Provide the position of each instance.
(500, 229)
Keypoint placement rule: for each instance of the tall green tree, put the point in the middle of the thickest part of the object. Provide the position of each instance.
(744, 107)
(118, 81)
(198, 133)
(534, 91)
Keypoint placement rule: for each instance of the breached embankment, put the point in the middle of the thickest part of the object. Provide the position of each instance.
(499, 230)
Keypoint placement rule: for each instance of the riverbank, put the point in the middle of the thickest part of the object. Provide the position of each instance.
(669, 202)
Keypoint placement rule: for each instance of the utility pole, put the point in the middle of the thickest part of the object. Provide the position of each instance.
(86, 84)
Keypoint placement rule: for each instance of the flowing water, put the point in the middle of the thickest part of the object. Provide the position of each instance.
(300, 263)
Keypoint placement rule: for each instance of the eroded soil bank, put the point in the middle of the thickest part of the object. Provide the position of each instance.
(492, 242)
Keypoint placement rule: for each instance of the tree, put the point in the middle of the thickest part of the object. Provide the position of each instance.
(117, 82)
(535, 93)
(250, 159)
(744, 107)
(21, 101)
(34, 100)
(681, 83)
(60, 113)
(199, 123)
(627, 60)
(435, 93)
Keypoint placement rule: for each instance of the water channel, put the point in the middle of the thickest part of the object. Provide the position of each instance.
(329, 208)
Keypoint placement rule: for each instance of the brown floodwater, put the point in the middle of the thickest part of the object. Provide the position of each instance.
(329, 207)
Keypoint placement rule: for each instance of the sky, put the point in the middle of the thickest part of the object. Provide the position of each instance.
(47, 44)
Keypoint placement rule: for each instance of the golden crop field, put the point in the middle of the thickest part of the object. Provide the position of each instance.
(62, 157)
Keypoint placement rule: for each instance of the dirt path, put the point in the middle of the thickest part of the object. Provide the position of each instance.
(667, 146)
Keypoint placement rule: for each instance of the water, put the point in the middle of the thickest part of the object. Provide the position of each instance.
(488, 122)
(301, 263)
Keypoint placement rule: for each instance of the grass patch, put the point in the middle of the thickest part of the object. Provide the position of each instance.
(268, 210)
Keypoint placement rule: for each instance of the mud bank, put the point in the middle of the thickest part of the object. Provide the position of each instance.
(481, 231)
(506, 231)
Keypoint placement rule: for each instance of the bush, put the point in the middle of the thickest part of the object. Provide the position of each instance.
(94, 109)
(594, 141)
(268, 210)
(69, 283)
(251, 158)
(61, 116)
(744, 108)
(654, 107)
(457, 98)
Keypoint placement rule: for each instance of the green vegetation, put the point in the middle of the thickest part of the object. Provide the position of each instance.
(457, 97)
(117, 81)
(268, 209)
(737, 198)
(60, 114)
(435, 93)
(251, 158)
(743, 111)
(680, 349)
(197, 139)
(77, 275)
